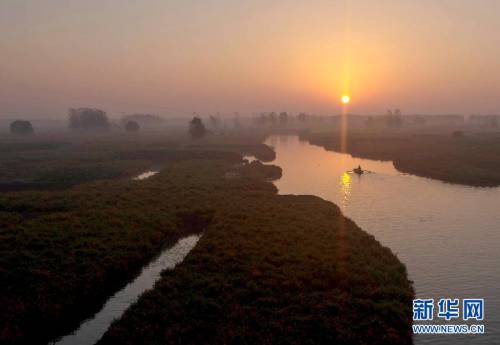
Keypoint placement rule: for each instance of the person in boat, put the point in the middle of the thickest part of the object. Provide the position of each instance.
(358, 170)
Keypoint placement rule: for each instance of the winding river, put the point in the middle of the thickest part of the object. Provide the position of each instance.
(447, 235)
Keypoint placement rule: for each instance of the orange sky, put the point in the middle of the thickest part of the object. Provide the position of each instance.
(177, 57)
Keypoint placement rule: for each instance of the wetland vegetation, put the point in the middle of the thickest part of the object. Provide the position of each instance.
(269, 268)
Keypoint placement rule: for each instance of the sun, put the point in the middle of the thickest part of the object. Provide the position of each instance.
(345, 99)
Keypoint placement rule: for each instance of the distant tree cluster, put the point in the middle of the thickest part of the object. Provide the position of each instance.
(394, 118)
(283, 119)
(88, 119)
(485, 120)
(272, 119)
(302, 117)
(218, 124)
(21, 127)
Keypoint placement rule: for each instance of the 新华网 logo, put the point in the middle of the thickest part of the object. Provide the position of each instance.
(448, 309)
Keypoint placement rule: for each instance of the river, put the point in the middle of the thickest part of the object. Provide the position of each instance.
(447, 235)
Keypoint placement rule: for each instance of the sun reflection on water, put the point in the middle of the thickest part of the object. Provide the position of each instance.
(345, 187)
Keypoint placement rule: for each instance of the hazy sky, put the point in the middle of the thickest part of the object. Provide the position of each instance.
(176, 57)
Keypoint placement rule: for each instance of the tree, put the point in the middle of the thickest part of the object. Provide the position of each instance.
(273, 119)
(302, 117)
(262, 119)
(370, 122)
(214, 121)
(236, 121)
(394, 119)
(283, 119)
(21, 127)
(132, 126)
(197, 129)
(88, 119)
(398, 118)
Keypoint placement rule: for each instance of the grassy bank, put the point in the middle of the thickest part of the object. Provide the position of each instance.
(470, 160)
(293, 267)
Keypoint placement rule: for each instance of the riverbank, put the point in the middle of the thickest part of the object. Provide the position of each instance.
(469, 160)
(294, 264)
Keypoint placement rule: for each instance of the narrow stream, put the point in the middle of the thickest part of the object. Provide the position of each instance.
(250, 158)
(145, 175)
(91, 330)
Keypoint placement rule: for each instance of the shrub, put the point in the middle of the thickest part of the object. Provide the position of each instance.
(197, 128)
(88, 118)
(21, 127)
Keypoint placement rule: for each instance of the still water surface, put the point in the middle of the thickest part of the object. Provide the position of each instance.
(145, 175)
(447, 235)
(91, 330)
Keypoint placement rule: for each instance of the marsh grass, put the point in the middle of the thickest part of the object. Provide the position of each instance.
(269, 269)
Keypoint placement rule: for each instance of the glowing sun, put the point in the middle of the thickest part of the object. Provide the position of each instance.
(345, 99)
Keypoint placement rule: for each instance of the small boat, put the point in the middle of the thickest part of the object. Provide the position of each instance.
(358, 170)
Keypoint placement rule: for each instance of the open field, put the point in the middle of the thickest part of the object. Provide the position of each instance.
(44, 162)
